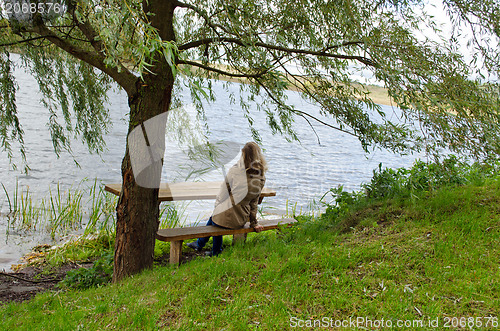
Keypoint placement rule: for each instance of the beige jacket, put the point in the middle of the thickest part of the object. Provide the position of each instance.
(246, 190)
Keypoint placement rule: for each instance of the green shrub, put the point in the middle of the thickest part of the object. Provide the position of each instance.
(100, 273)
(161, 249)
(406, 183)
(427, 176)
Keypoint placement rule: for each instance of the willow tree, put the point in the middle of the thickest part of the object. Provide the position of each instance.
(314, 47)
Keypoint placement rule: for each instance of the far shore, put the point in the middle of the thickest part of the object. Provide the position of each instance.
(378, 94)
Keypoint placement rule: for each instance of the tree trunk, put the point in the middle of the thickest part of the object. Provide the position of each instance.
(138, 205)
(136, 226)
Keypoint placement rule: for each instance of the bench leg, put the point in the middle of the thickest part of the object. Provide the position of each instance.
(239, 238)
(175, 251)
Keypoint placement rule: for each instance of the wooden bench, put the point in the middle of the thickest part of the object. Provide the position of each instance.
(199, 191)
(177, 235)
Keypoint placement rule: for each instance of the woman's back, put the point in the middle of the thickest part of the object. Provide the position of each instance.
(233, 209)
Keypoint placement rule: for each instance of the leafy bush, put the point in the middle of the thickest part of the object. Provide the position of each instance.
(341, 202)
(100, 273)
(161, 249)
(407, 183)
(424, 176)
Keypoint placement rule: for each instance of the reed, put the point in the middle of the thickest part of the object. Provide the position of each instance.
(101, 215)
(22, 214)
(60, 212)
(85, 206)
(66, 212)
(172, 215)
(291, 210)
(28, 215)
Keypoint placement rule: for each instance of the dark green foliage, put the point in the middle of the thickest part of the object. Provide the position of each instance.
(408, 183)
(74, 94)
(424, 176)
(99, 274)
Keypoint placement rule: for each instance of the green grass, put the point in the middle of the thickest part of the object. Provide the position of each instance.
(432, 255)
(83, 249)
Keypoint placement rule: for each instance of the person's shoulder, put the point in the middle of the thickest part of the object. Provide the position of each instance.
(236, 168)
(236, 172)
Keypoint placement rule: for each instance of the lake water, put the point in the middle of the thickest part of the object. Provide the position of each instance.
(299, 172)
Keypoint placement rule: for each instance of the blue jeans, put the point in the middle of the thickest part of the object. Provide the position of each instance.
(217, 240)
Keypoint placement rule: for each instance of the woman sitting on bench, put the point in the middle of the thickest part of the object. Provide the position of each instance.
(238, 197)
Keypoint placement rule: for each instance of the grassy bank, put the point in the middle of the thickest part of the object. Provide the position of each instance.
(418, 246)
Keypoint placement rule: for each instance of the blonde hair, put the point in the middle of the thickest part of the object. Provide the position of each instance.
(253, 158)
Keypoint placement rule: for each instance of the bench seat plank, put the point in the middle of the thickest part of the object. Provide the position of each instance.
(176, 234)
(187, 191)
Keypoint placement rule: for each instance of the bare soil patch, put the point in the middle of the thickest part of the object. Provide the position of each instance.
(30, 280)
(26, 283)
